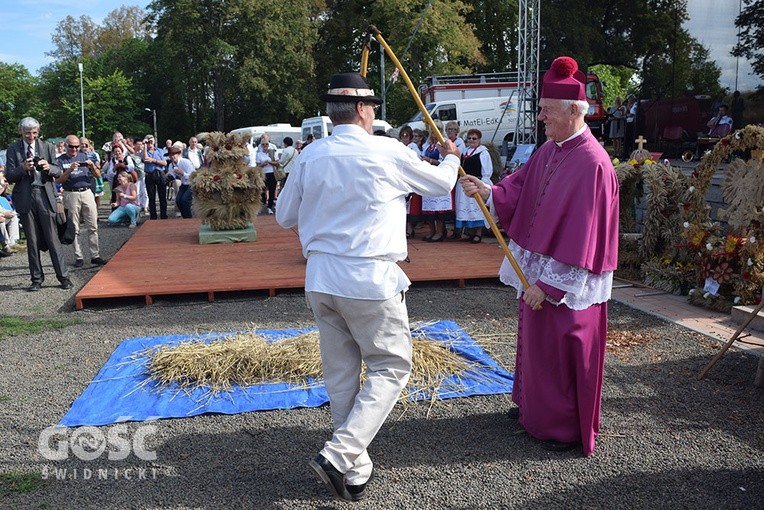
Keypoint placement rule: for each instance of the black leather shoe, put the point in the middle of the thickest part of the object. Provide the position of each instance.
(79, 263)
(66, 284)
(35, 287)
(559, 447)
(514, 413)
(4, 253)
(98, 261)
(330, 475)
(357, 492)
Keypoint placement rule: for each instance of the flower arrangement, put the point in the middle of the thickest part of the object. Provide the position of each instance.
(226, 191)
(730, 261)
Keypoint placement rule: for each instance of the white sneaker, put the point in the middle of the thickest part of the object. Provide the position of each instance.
(270, 211)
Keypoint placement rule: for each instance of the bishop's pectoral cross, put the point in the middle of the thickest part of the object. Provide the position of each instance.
(641, 142)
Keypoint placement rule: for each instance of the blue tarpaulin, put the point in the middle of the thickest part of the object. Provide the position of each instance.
(120, 391)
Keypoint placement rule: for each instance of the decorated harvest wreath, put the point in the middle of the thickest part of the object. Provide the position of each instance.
(227, 192)
(681, 248)
(730, 262)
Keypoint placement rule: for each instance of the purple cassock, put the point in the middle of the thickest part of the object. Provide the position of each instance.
(562, 204)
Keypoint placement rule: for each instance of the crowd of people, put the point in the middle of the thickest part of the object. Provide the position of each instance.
(70, 179)
(454, 208)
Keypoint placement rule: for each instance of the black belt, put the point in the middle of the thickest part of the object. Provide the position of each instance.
(78, 189)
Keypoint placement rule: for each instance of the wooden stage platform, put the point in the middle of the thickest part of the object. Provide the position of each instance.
(144, 267)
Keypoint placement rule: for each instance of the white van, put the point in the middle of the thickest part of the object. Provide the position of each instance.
(321, 126)
(276, 132)
(495, 117)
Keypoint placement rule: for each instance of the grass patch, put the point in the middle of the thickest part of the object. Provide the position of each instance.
(16, 482)
(15, 326)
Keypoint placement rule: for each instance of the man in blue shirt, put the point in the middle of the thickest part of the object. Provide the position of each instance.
(77, 178)
(155, 167)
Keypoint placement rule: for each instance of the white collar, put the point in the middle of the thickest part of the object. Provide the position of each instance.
(577, 133)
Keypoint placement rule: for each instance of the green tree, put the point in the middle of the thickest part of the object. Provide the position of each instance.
(235, 62)
(665, 75)
(79, 38)
(444, 44)
(74, 38)
(18, 99)
(111, 102)
(617, 81)
(495, 23)
(750, 21)
(279, 74)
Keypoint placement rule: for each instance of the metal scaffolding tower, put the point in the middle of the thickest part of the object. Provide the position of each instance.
(528, 38)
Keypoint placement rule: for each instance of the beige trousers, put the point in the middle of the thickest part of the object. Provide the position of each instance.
(355, 330)
(81, 205)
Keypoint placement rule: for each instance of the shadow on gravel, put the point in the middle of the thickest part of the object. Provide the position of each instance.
(671, 488)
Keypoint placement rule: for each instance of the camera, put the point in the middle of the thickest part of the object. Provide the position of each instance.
(36, 161)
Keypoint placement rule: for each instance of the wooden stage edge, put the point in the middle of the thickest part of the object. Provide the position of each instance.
(143, 267)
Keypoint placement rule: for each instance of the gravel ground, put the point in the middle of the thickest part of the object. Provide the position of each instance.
(668, 440)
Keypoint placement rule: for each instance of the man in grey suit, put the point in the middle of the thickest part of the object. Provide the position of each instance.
(31, 167)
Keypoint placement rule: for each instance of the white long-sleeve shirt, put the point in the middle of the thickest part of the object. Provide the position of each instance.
(186, 167)
(347, 194)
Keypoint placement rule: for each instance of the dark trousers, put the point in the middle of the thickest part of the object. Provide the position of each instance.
(152, 188)
(630, 134)
(42, 233)
(270, 186)
(183, 200)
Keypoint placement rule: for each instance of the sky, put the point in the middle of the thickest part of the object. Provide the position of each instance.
(26, 27)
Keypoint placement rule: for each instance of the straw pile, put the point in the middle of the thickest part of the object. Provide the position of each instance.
(247, 359)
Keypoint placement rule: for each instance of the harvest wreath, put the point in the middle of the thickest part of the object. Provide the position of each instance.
(226, 191)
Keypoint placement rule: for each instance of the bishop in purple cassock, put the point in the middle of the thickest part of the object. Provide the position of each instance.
(560, 211)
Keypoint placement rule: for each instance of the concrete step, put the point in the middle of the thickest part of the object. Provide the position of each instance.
(740, 315)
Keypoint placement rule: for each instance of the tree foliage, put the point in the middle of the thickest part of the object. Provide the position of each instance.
(616, 80)
(682, 68)
(17, 100)
(82, 37)
(495, 23)
(444, 43)
(750, 21)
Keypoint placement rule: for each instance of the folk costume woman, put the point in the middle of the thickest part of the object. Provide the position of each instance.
(475, 161)
(436, 210)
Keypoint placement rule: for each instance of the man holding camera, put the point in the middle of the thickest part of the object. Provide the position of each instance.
(31, 168)
(77, 178)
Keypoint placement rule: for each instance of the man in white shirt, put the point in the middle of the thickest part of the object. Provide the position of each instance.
(720, 125)
(347, 193)
(266, 159)
(182, 169)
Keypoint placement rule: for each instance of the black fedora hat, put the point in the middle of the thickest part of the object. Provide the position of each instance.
(349, 88)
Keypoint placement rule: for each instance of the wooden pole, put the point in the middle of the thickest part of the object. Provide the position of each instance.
(494, 227)
(365, 56)
(729, 343)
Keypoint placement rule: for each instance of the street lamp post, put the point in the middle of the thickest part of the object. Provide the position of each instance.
(82, 99)
(154, 113)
